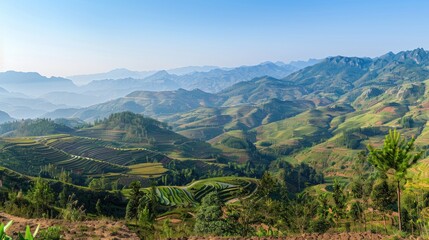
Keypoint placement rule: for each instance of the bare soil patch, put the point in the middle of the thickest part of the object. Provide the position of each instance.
(91, 229)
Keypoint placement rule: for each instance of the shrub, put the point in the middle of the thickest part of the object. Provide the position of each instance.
(51, 233)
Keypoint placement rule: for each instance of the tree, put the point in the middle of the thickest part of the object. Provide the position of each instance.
(396, 155)
(153, 201)
(144, 215)
(95, 184)
(209, 217)
(41, 195)
(361, 185)
(356, 212)
(62, 197)
(381, 198)
(339, 200)
(133, 203)
(323, 223)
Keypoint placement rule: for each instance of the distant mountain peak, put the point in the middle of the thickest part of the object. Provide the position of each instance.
(417, 55)
(120, 70)
(162, 73)
(269, 63)
(350, 61)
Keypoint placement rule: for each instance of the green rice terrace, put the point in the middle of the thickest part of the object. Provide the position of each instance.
(228, 188)
(90, 157)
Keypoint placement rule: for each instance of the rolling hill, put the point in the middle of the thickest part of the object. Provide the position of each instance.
(145, 102)
(4, 117)
(206, 123)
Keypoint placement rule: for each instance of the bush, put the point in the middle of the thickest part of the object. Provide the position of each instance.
(320, 226)
(265, 144)
(51, 233)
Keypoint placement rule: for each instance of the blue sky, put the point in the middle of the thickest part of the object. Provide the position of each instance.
(66, 37)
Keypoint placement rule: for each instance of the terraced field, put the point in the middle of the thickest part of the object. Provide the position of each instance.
(148, 169)
(109, 135)
(97, 149)
(173, 196)
(80, 155)
(419, 175)
(228, 188)
(88, 166)
(27, 156)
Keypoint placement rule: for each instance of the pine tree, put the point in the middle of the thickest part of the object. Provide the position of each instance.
(41, 195)
(397, 155)
(133, 203)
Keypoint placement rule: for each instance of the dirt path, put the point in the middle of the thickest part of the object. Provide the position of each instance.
(94, 229)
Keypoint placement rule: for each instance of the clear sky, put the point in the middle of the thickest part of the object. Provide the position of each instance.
(67, 37)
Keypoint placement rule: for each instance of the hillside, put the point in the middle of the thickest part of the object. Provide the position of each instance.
(4, 117)
(38, 127)
(206, 123)
(138, 131)
(144, 102)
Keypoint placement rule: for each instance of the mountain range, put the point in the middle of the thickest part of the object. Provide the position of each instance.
(340, 102)
(332, 79)
(61, 92)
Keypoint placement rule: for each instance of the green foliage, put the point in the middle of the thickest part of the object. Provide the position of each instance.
(340, 200)
(234, 142)
(136, 126)
(397, 155)
(51, 233)
(320, 225)
(98, 208)
(26, 236)
(167, 231)
(41, 195)
(3, 229)
(382, 195)
(356, 211)
(134, 200)
(407, 122)
(73, 212)
(209, 217)
(38, 127)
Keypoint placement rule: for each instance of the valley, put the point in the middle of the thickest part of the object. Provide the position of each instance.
(278, 155)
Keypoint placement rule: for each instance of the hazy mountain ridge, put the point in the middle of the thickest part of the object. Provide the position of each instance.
(122, 73)
(4, 117)
(212, 80)
(145, 102)
(63, 93)
(330, 80)
(33, 84)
